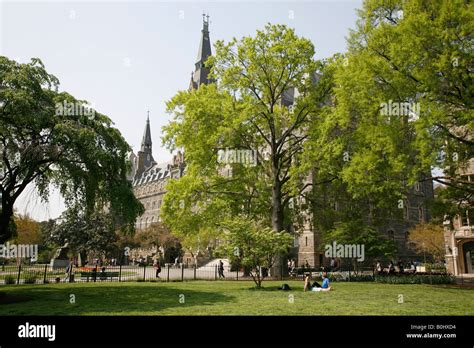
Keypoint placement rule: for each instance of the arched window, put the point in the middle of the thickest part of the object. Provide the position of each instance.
(146, 222)
(421, 213)
(406, 211)
(391, 235)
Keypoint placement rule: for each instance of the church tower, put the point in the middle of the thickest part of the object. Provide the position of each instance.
(201, 71)
(145, 158)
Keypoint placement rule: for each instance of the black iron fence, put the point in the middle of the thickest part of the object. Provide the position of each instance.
(45, 273)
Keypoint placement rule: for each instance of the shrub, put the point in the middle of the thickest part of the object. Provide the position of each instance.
(415, 279)
(344, 277)
(435, 267)
(362, 278)
(9, 279)
(30, 279)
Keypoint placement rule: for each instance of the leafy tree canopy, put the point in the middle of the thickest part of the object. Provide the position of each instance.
(428, 238)
(403, 98)
(50, 138)
(252, 245)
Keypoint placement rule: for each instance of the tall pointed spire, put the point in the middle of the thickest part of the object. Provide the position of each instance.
(146, 141)
(145, 157)
(201, 71)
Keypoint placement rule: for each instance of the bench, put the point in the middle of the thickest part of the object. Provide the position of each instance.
(301, 271)
(100, 275)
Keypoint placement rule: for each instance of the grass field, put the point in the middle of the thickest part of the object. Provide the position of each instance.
(235, 298)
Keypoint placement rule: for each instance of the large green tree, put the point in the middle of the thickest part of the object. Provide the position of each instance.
(247, 108)
(50, 138)
(93, 233)
(407, 53)
(254, 246)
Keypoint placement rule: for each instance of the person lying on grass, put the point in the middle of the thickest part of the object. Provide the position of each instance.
(315, 286)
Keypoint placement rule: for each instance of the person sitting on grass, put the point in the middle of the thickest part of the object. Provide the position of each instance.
(325, 286)
(307, 283)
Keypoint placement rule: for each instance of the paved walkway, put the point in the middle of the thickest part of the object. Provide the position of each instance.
(465, 279)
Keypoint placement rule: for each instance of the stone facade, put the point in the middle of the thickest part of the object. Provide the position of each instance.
(416, 210)
(459, 236)
(149, 182)
(149, 188)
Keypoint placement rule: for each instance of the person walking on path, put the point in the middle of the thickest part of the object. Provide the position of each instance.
(68, 270)
(221, 269)
(158, 269)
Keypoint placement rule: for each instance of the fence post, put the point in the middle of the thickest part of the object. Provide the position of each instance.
(45, 270)
(144, 272)
(215, 272)
(167, 272)
(237, 272)
(182, 272)
(120, 272)
(195, 266)
(19, 272)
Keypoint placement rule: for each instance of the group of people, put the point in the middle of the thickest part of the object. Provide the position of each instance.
(393, 268)
(333, 266)
(291, 265)
(101, 262)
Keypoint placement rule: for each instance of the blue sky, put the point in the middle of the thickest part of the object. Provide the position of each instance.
(127, 57)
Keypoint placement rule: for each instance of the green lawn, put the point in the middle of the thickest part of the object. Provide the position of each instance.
(236, 298)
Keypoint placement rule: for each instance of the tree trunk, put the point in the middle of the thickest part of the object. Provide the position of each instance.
(83, 258)
(277, 220)
(6, 221)
(277, 206)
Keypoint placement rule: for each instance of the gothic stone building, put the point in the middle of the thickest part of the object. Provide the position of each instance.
(459, 235)
(415, 210)
(149, 179)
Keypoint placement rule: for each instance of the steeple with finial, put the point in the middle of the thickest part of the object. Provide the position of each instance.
(201, 70)
(146, 141)
(145, 157)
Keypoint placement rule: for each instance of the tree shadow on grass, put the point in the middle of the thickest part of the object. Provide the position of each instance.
(269, 288)
(107, 299)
